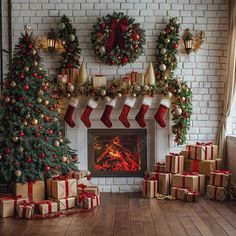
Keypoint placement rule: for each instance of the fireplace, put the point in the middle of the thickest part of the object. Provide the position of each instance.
(117, 152)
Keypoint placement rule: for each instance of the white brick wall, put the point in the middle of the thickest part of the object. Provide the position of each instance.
(204, 71)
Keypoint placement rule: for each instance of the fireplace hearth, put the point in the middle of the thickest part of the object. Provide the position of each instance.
(117, 152)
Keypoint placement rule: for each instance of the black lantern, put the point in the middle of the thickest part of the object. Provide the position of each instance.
(188, 41)
(52, 39)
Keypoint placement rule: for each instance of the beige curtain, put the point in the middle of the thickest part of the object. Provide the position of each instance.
(230, 83)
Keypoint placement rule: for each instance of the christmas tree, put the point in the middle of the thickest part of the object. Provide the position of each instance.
(32, 145)
(67, 34)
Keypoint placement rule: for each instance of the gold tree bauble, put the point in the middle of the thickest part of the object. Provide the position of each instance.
(7, 99)
(163, 51)
(59, 110)
(162, 67)
(34, 121)
(40, 92)
(36, 63)
(41, 116)
(163, 32)
(25, 123)
(183, 99)
(119, 95)
(20, 149)
(15, 139)
(46, 102)
(61, 140)
(167, 40)
(134, 95)
(64, 158)
(56, 143)
(18, 173)
(33, 52)
(39, 100)
(26, 68)
(70, 87)
(178, 111)
(13, 101)
(13, 84)
(102, 50)
(107, 99)
(169, 94)
(68, 95)
(62, 79)
(176, 21)
(103, 92)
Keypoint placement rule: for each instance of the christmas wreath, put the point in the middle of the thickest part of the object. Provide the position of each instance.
(117, 39)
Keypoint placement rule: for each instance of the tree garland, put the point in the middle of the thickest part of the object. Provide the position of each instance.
(177, 90)
(67, 34)
(117, 39)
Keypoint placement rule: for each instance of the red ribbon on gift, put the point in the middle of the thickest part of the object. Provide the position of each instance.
(65, 178)
(195, 166)
(173, 155)
(154, 179)
(205, 145)
(83, 186)
(222, 172)
(116, 37)
(84, 195)
(25, 204)
(30, 189)
(14, 198)
(89, 177)
(195, 193)
(49, 203)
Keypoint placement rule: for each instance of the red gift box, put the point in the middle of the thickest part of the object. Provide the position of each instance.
(72, 74)
(192, 195)
(220, 178)
(87, 200)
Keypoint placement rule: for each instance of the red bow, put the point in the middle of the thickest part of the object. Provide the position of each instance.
(174, 154)
(117, 27)
(146, 177)
(227, 172)
(205, 144)
(11, 197)
(190, 173)
(159, 163)
(89, 177)
(60, 177)
(195, 192)
(83, 186)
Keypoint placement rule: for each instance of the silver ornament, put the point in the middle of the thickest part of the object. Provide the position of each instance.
(103, 92)
(102, 50)
(62, 26)
(70, 87)
(163, 51)
(72, 37)
(176, 21)
(162, 67)
(178, 111)
(107, 99)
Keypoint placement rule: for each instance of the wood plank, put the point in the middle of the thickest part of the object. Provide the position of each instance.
(215, 228)
(196, 219)
(228, 228)
(186, 221)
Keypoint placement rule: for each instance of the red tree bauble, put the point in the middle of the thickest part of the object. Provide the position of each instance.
(37, 135)
(26, 87)
(21, 133)
(185, 114)
(42, 155)
(29, 159)
(0, 156)
(136, 46)
(28, 104)
(51, 108)
(58, 132)
(40, 127)
(30, 45)
(54, 156)
(46, 138)
(21, 76)
(47, 168)
(175, 45)
(50, 131)
(34, 74)
(124, 60)
(8, 150)
(112, 62)
(69, 65)
(46, 118)
(136, 36)
(22, 98)
(167, 30)
(39, 77)
(56, 167)
(44, 87)
(75, 158)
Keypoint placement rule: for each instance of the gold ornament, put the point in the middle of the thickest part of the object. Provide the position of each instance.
(119, 95)
(27, 116)
(68, 95)
(18, 173)
(107, 99)
(62, 79)
(83, 74)
(70, 87)
(46, 102)
(34, 121)
(146, 87)
(36, 63)
(39, 100)
(34, 52)
(149, 78)
(15, 139)
(167, 40)
(13, 100)
(20, 149)
(41, 116)
(64, 158)
(137, 88)
(40, 92)
(26, 68)
(25, 123)
(102, 50)
(178, 111)
(103, 92)
(13, 84)
(7, 99)
(169, 94)
(56, 144)
(162, 67)
(61, 140)
(134, 95)
(59, 110)
(183, 99)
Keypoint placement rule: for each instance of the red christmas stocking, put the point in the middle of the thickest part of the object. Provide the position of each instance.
(147, 101)
(159, 116)
(70, 110)
(87, 111)
(129, 103)
(107, 113)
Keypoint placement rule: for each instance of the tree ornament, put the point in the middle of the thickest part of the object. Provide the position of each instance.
(125, 60)
(18, 173)
(176, 21)
(56, 143)
(162, 67)
(36, 63)
(34, 121)
(21, 133)
(103, 92)
(136, 36)
(21, 76)
(175, 45)
(13, 101)
(29, 159)
(62, 79)
(47, 168)
(15, 139)
(64, 158)
(46, 102)
(40, 92)
(50, 132)
(34, 52)
(54, 119)
(13, 84)
(178, 111)
(75, 158)
(20, 149)
(163, 51)
(39, 100)
(72, 37)
(7, 99)
(41, 116)
(26, 68)
(37, 134)
(61, 140)
(102, 50)
(167, 40)
(25, 123)
(107, 99)
(70, 87)
(46, 118)
(42, 155)
(8, 150)
(62, 26)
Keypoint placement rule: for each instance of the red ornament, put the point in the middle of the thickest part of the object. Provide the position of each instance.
(175, 45)
(185, 114)
(0, 156)
(58, 132)
(34, 74)
(17, 109)
(28, 104)
(112, 62)
(51, 108)
(30, 45)
(47, 168)
(29, 159)
(21, 133)
(136, 36)
(56, 167)
(54, 156)
(8, 150)
(69, 65)
(44, 87)
(21, 76)
(46, 138)
(167, 30)
(99, 34)
(39, 77)
(75, 158)
(46, 118)
(37, 135)
(158, 74)
(42, 155)
(124, 60)
(136, 46)
(26, 87)
(50, 131)
(22, 98)
(40, 127)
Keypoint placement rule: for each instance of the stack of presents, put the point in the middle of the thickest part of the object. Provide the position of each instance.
(188, 175)
(62, 193)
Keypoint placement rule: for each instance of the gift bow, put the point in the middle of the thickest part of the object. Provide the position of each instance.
(204, 144)
(159, 163)
(174, 154)
(11, 197)
(26, 203)
(227, 172)
(146, 177)
(84, 195)
(60, 177)
(190, 173)
(195, 192)
(89, 177)
(83, 186)
(116, 37)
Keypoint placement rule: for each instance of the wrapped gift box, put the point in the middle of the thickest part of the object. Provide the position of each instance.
(193, 181)
(135, 78)
(150, 187)
(89, 189)
(79, 174)
(65, 203)
(202, 151)
(99, 81)
(8, 205)
(25, 210)
(34, 190)
(152, 174)
(179, 193)
(63, 187)
(72, 74)
(164, 183)
(203, 167)
(220, 178)
(46, 207)
(174, 163)
(185, 154)
(49, 186)
(217, 193)
(192, 195)
(87, 200)
(160, 167)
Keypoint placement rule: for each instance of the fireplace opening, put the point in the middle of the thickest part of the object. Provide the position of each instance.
(117, 152)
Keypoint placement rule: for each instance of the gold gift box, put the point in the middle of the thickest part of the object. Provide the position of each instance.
(44, 207)
(174, 163)
(99, 81)
(164, 183)
(217, 193)
(25, 211)
(150, 188)
(88, 189)
(220, 179)
(179, 193)
(65, 203)
(88, 202)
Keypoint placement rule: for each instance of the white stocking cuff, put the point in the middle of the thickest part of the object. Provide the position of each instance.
(165, 101)
(112, 102)
(74, 101)
(129, 101)
(91, 103)
(147, 101)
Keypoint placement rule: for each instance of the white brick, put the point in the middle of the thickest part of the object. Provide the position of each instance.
(101, 181)
(125, 188)
(109, 181)
(106, 189)
(119, 181)
(115, 189)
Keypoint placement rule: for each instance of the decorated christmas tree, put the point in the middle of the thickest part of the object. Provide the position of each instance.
(32, 144)
(67, 34)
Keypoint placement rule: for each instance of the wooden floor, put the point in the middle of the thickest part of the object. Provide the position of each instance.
(129, 214)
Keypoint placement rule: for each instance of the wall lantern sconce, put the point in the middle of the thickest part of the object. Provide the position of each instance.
(51, 40)
(192, 44)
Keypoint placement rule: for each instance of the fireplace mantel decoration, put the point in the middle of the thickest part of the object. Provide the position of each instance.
(172, 88)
